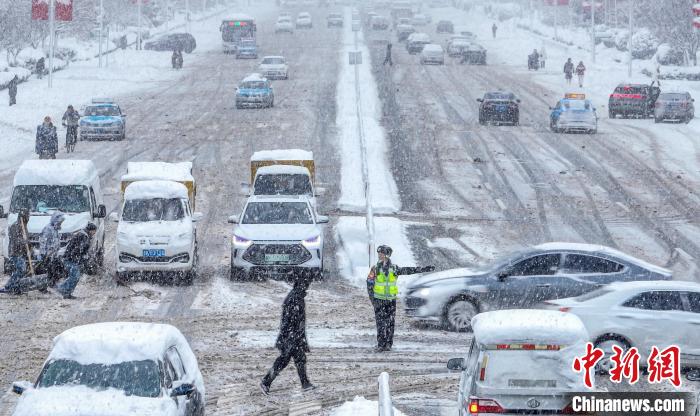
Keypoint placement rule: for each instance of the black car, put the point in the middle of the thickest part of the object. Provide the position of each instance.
(174, 41)
(499, 107)
(474, 54)
(633, 100)
(445, 26)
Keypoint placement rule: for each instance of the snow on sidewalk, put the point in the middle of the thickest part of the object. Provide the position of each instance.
(360, 406)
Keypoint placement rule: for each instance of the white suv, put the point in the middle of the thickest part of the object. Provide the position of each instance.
(277, 235)
(274, 67)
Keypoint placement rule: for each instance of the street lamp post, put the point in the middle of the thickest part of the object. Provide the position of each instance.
(629, 39)
(102, 13)
(593, 3)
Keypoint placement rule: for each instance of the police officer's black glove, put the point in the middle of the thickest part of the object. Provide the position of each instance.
(427, 269)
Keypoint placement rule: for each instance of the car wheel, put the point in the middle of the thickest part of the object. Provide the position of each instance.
(606, 344)
(459, 313)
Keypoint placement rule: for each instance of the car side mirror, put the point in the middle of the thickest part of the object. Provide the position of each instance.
(692, 100)
(123, 115)
(245, 188)
(320, 191)
(551, 108)
(19, 387)
(114, 217)
(184, 389)
(197, 216)
(517, 100)
(3, 214)
(101, 211)
(322, 219)
(457, 364)
(233, 219)
(481, 100)
(502, 276)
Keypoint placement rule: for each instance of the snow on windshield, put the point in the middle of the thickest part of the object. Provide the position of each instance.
(277, 213)
(101, 110)
(282, 185)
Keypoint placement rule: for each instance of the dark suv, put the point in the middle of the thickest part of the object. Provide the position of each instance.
(633, 100)
(174, 41)
(499, 107)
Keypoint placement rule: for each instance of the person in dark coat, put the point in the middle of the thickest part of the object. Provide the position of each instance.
(568, 71)
(291, 341)
(387, 58)
(46, 140)
(494, 28)
(12, 89)
(17, 249)
(382, 283)
(40, 68)
(75, 256)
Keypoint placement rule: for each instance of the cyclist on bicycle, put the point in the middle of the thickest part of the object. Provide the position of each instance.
(71, 120)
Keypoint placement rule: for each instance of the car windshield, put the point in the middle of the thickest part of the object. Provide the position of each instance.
(45, 198)
(283, 184)
(101, 110)
(498, 96)
(134, 378)
(248, 43)
(273, 61)
(630, 90)
(156, 209)
(672, 97)
(577, 104)
(284, 20)
(277, 213)
(253, 85)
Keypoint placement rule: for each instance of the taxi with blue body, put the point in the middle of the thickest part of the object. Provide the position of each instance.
(255, 91)
(102, 119)
(573, 113)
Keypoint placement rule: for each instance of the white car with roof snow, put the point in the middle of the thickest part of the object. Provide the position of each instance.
(69, 186)
(284, 24)
(277, 235)
(416, 41)
(641, 315)
(432, 53)
(116, 369)
(274, 67)
(519, 362)
(304, 21)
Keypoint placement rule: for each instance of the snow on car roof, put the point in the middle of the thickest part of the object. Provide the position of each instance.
(419, 37)
(254, 77)
(282, 154)
(528, 325)
(594, 248)
(56, 172)
(654, 285)
(278, 198)
(432, 47)
(156, 189)
(273, 57)
(144, 171)
(240, 16)
(282, 170)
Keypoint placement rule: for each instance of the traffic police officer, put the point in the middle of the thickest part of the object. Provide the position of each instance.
(382, 290)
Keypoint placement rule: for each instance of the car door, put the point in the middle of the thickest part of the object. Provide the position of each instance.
(692, 307)
(187, 404)
(169, 381)
(653, 318)
(583, 273)
(528, 281)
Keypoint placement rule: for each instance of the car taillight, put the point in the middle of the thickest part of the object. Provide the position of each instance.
(564, 309)
(568, 410)
(477, 406)
(549, 347)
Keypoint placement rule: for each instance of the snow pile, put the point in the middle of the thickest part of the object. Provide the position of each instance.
(144, 171)
(56, 172)
(360, 406)
(7, 74)
(526, 325)
(156, 189)
(644, 44)
(282, 154)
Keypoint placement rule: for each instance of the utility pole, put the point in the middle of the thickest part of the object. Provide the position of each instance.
(138, 35)
(593, 4)
(629, 40)
(556, 19)
(102, 13)
(52, 41)
(187, 16)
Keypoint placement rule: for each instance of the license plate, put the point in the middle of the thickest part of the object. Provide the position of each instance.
(276, 258)
(501, 108)
(153, 253)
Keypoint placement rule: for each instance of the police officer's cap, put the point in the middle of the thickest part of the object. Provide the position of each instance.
(386, 250)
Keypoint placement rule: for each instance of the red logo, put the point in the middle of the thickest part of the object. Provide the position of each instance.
(626, 365)
(665, 365)
(588, 362)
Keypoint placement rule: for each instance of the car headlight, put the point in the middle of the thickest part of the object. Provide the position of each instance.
(424, 291)
(312, 242)
(241, 242)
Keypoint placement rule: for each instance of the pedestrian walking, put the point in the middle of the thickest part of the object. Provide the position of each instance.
(382, 279)
(543, 56)
(75, 256)
(494, 28)
(291, 341)
(49, 244)
(568, 71)
(40, 67)
(17, 250)
(12, 90)
(46, 140)
(387, 58)
(580, 71)
(71, 119)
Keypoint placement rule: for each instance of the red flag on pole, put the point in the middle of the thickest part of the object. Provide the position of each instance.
(40, 10)
(64, 10)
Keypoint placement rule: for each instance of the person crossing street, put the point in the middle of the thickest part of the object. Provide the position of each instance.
(568, 70)
(382, 281)
(18, 243)
(580, 71)
(74, 257)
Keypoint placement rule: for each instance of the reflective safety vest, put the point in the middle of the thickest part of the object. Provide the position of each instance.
(385, 286)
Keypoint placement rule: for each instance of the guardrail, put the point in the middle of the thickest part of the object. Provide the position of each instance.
(386, 407)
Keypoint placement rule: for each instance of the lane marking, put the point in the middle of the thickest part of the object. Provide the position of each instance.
(501, 204)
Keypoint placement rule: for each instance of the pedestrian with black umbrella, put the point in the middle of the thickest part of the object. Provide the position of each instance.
(291, 341)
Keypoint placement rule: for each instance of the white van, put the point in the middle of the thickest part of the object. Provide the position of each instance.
(520, 361)
(156, 231)
(69, 186)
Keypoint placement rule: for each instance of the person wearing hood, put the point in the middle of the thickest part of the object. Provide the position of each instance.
(387, 58)
(46, 140)
(49, 245)
(568, 70)
(381, 284)
(77, 251)
(17, 249)
(291, 341)
(12, 90)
